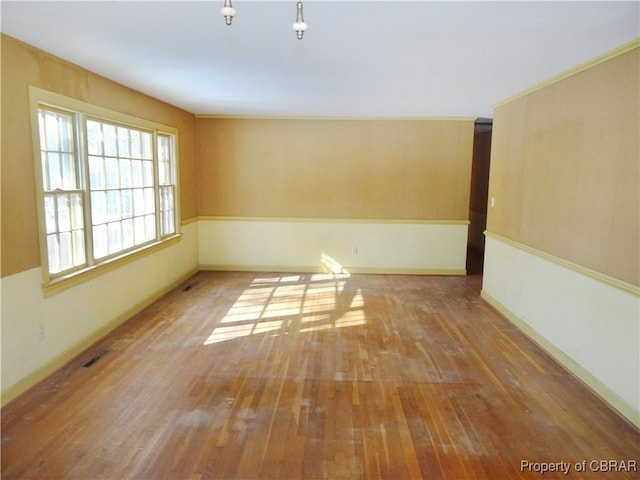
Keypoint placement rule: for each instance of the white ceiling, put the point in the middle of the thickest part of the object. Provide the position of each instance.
(358, 58)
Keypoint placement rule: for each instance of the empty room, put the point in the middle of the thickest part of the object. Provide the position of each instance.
(320, 239)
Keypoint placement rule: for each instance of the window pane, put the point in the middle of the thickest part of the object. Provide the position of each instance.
(51, 132)
(127, 233)
(115, 237)
(149, 201)
(150, 226)
(50, 213)
(136, 146)
(45, 172)
(127, 203)
(136, 170)
(55, 176)
(100, 241)
(54, 253)
(163, 198)
(168, 176)
(78, 247)
(162, 173)
(96, 173)
(68, 172)
(66, 251)
(113, 205)
(162, 148)
(65, 133)
(168, 195)
(112, 172)
(77, 218)
(138, 230)
(98, 207)
(164, 220)
(123, 142)
(94, 138)
(170, 199)
(125, 173)
(147, 149)
(64, 214)
(138, 202)
(167, 223)
(148, 174)
(109, 135)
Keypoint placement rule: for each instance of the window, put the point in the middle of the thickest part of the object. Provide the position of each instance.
(62, 195)
(108, 186)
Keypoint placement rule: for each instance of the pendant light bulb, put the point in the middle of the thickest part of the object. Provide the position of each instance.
(299, 26)
(228, 12)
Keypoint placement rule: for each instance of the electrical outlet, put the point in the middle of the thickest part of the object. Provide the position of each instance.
(354, 251)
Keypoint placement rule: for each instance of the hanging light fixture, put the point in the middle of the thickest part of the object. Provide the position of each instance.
(228, 12)
(299, 26)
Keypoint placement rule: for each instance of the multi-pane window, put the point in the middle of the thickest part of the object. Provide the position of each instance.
(108, 188)
(121, 182)
(63, 197)
(167, 185)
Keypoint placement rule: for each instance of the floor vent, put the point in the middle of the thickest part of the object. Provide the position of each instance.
(95, 359)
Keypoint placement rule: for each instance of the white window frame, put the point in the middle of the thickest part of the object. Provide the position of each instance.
(81, 113)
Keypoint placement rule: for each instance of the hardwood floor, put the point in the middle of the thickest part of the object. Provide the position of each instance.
(263, 376)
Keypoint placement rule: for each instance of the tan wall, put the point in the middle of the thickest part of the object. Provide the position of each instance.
(23, 65)
(565, 168)
(370, 169)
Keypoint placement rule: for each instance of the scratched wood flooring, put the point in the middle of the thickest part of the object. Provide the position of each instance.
(264, 376)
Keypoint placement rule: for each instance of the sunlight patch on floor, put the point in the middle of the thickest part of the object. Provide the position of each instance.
(281, 303)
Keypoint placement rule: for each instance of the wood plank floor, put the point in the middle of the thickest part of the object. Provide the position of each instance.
(264, 376)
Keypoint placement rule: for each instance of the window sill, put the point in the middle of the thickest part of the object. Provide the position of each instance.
(60, 284)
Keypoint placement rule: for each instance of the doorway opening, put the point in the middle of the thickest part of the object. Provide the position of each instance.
(479, 195)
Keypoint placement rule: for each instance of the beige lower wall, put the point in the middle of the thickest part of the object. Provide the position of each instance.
(357, 246)
(589, 325)
(40, 334)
